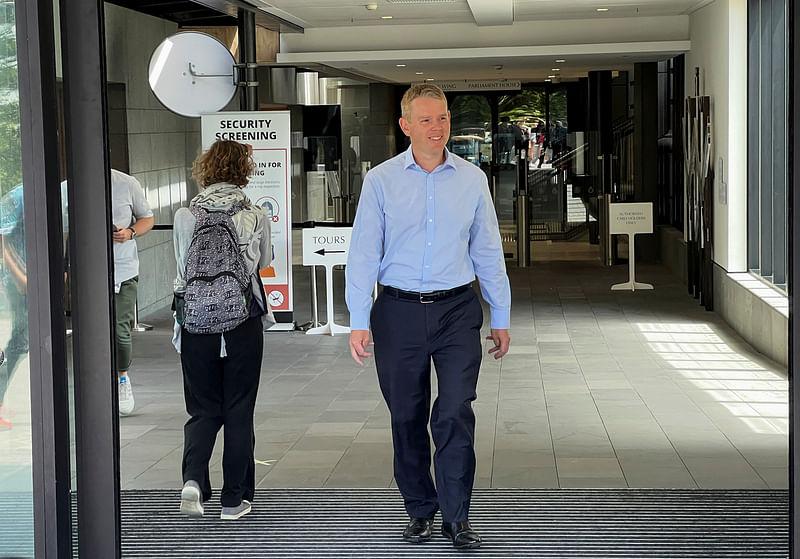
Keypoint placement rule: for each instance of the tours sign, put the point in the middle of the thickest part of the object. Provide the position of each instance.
(269, 135)
(326, 246)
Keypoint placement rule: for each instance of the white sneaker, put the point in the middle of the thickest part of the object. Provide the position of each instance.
(125, 396)
(191, 499)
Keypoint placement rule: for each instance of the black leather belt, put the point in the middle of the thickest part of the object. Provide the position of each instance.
(428, 297)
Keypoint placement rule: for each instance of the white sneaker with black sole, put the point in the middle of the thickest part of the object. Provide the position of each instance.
(191, 499)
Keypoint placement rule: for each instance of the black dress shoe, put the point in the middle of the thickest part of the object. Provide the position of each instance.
(461, 534)
(418, 530)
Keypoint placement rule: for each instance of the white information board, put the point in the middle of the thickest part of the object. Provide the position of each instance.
(631, 217)
(269, 134)
(326, 246)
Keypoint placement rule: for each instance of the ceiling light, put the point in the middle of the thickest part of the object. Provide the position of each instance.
(400, 65)
(555, 69)
(420, 73)
(548, 80)
(602, 9)
(551, 76)
(371, 6)
(386, 17)
(428, 79)
(560, 60)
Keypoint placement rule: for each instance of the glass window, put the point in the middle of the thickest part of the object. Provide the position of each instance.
(16, 485)
(767, 173)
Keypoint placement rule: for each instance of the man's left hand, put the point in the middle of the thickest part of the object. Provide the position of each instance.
(122, 235)
(501, 341)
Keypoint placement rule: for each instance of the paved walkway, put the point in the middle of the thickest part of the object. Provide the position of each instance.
(600, 389)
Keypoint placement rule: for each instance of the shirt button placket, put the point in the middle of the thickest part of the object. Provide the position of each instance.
(429, 225)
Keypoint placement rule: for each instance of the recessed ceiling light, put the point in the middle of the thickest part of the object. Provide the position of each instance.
(548, 80)
(420, 73)
(555, 69)
(400, 65)
(551, 76)
(560, 60)
(602, 9)
(386, 17)
(428, 79)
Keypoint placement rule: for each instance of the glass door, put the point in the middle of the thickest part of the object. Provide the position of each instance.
(471, 130)
(16, 474)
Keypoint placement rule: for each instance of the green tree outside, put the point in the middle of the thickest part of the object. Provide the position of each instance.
(10, 141)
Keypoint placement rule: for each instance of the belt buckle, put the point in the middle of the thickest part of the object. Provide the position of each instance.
(423, 300)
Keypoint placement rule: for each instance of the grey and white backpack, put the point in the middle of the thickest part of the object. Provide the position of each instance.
(217, 282)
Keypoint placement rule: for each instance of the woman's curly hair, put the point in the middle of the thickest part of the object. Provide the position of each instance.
(225, 161)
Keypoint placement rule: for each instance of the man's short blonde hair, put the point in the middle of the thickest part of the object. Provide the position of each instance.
(420, 90)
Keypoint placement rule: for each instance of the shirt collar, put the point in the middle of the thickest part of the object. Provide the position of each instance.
(410, 162)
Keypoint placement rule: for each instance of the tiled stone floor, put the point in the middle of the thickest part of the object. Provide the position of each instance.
(600, 389)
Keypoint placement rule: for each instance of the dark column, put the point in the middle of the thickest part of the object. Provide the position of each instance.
(645, 149)
(247, 60)
(598, 112)
(45, 279)
(794, 281)
(576, 105)
(96, 412)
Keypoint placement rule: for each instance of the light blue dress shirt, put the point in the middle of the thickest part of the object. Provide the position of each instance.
(421, 231)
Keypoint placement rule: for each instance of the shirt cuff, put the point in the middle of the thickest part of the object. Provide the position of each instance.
(359, 320)
(501, 318)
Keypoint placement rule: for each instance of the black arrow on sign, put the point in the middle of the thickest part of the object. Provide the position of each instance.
(323, 252)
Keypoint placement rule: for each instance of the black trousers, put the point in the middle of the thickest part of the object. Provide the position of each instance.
(222, 391)
(407, 335)
(17, 346)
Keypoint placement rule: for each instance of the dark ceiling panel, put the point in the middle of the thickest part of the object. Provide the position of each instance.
(211, 13)
(182, 12)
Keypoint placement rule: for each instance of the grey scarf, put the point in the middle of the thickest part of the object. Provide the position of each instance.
(221, 197)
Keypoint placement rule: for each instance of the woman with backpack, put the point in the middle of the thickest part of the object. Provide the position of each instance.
(221, 241)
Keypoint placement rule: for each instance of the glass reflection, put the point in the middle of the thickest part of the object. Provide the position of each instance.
(16, 484)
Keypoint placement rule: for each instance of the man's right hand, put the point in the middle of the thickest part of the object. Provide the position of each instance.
(359, 340)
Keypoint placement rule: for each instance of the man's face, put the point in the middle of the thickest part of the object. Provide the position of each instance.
(428, 126)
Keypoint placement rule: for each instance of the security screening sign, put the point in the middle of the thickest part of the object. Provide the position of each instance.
(269, 134)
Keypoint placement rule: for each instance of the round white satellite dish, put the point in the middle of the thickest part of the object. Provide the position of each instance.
(192, 73)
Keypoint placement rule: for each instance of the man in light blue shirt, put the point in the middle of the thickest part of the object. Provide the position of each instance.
(425, 228)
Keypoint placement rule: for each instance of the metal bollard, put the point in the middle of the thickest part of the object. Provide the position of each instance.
(605, 230)
(523, 213)
(523, 231)
(139, 326)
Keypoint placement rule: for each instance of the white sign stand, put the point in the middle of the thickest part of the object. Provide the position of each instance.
(327, 246)
(631, 219)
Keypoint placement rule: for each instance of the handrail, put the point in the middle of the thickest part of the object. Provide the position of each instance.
(571, 154)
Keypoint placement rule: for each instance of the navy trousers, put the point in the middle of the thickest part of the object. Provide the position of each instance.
(221, 391)
(408, 335)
